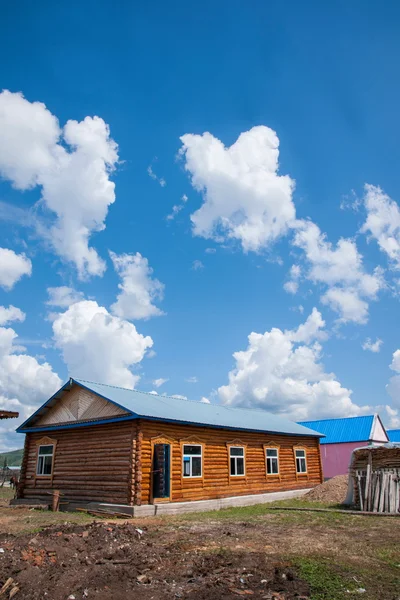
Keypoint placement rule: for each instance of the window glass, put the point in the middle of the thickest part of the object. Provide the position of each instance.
(236, 456)
(301, 464)
(45, 460)
(192, 460)
(192, 450)
(272, 461)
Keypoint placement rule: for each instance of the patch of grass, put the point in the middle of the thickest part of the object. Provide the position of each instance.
(390, 556)
(325, 580)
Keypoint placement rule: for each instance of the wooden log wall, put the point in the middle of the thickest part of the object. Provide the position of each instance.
(216, 481)
(95, 463)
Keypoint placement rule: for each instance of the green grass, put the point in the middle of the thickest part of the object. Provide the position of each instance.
(326, 580)
(251, 513)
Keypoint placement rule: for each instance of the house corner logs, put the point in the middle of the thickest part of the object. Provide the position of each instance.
(138, 466)
(22, 475)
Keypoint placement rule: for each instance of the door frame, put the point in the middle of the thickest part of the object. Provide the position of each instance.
(169, 442)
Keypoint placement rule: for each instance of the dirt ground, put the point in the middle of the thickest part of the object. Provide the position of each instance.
(250, 552)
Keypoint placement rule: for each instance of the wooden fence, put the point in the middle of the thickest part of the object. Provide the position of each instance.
(378, 490)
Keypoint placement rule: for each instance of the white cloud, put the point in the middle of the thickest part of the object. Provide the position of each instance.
(292, 285)
(393, 388)
(63, 296)
(160, 180)
(24, 383)
(244, 198)
(205, 400)
(192, 380)
(99, 346)
(12, 313)
(139, 290)
(175, 210)
(210, 250)
(341, 269)
(13, 266)
(159, 382)
(197, 265)
(179, 396)
(153, 393)
(281, 371)
(71, 165)
(372, 346)
(383, 222)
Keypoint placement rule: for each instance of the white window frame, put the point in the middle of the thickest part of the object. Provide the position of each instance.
(191, 456)
(236, 457)
(39, 456)
(299, 459)
(271, 458)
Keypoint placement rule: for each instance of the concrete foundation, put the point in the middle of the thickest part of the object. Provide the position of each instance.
(176, 508)
(173, 508)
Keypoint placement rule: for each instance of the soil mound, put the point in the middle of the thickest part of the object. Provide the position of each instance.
(332, 491)
(104, 561)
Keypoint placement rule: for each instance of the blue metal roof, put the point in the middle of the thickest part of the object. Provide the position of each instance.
(350, 429)
(394, 435)
(164, 408)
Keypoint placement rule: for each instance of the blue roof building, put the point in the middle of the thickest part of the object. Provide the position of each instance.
(394, 435)
(342, 436)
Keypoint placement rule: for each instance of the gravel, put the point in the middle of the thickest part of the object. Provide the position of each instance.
(332, 491)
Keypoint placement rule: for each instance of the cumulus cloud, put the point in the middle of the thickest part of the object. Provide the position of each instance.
(63, 296)
(159, 382)
(205, 400)
(340, 268)
(372, 346)
(383, 222)
(99, 346)
(24, 381)
(71, 165)
(281, 371)
(139, 290)
(12, 313)
(191, 380)
(13, 266)
(244, 197)
(393, 389)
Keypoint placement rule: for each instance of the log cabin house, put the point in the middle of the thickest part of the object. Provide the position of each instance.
(97, 443)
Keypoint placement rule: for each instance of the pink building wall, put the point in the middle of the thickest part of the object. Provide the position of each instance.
(336, 457)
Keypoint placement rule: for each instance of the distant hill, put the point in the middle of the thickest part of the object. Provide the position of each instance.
(14, 458)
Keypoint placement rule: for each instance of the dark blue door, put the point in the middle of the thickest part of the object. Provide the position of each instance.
(161, 470)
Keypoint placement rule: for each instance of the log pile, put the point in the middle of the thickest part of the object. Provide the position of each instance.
(376, 478)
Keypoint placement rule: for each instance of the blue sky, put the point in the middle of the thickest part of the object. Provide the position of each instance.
(325, 78)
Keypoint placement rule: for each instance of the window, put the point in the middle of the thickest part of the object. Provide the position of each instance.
(236, 457)
(191, 460)
(45, 460)
(301, 464)
(272, 461)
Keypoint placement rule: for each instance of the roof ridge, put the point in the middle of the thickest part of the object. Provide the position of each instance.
(338, 418)
(118, 387)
